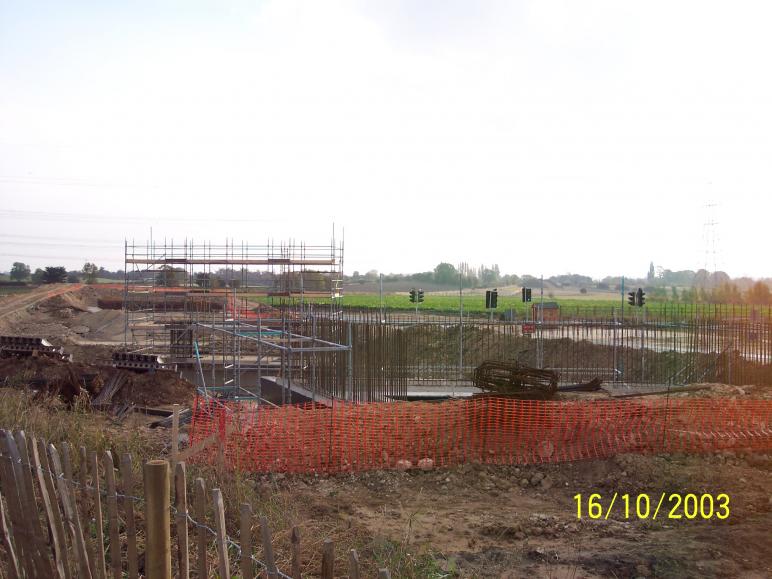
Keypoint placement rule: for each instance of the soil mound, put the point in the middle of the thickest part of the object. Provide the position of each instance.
(69, 380)
(83, 299)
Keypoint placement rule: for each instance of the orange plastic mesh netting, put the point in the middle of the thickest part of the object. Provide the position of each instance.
(356, 437)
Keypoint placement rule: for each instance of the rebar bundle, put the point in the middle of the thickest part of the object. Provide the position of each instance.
(514, 380)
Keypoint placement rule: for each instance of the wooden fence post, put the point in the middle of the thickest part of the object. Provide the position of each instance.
(200, 498)
(13, 567)
(97, 545)
(43, 559)
(18, 530)
(70, 514)
(175, 436)
(49, 498)
(127, 487)
(58, 526)
(112, 516)
(158, 558)
(181, 504)
(100, 566)
(295, 546)
(328, 559)
(222, 546)
(353, 564)
(247, 564)
(270, 561)
(22, 537)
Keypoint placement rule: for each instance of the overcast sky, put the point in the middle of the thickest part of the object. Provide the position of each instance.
(546, 136)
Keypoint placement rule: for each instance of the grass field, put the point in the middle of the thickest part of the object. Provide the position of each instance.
(475, 302)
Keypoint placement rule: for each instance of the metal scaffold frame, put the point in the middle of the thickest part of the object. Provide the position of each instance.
(198, 304)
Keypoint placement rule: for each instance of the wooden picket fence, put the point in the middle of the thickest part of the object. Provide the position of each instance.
(53, 521)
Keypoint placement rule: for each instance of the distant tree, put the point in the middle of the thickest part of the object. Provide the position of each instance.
(424, 276)
(445, 274)
(726, 293)
(650, 276)
(674, 293)
(701, 278)
(73, 277)
(38, 276)
(169, 276)
(583, 290)
(759, 294)
(489, 276)
(203, 280)
(55, 275)
(90, 272)
(19, 271)
(468, 276)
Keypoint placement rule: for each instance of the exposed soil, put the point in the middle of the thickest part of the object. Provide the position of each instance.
(70, 317)
(69, 380)
(480, 521)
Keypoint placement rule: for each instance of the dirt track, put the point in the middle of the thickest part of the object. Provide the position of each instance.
(18, 302)
(66, 313)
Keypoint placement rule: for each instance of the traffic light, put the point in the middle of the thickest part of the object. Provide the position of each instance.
(413, 295)
(631, 298)
(640, 298)
(494, 298)
(526, 294)
(420, 295)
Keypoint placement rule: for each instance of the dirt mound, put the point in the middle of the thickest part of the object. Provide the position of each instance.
(729, 392)
(50, 376)
(153, 389)
(83, 299)
(69, 380)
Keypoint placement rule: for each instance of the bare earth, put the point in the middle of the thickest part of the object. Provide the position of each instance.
(490, 521)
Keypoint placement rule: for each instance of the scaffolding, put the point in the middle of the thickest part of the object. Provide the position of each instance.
(232, 315)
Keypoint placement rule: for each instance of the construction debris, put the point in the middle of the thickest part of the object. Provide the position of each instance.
(515, 381)
(24, 346)
(132, 361)
(109, 388)
(591, 386)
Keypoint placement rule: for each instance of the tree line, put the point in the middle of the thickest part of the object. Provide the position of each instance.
(660, 284)
(89, 273)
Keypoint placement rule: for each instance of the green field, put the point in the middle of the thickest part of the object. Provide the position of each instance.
(476, 303)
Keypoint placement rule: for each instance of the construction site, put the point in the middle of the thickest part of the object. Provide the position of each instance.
(459, 437)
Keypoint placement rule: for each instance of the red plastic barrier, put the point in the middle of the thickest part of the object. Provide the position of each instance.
(357, 437)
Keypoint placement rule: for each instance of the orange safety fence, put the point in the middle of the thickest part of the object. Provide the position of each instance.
(349, 437)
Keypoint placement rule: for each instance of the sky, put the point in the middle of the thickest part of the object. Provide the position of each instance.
(545, 136)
